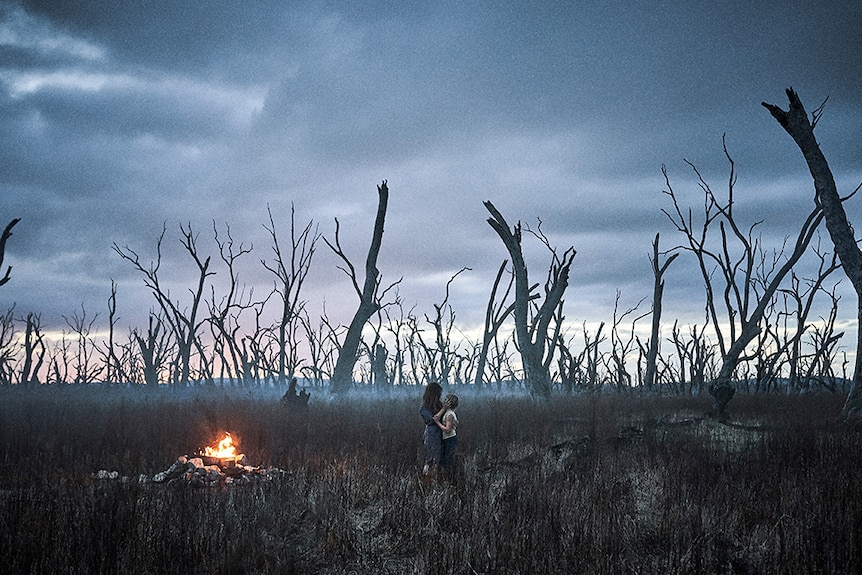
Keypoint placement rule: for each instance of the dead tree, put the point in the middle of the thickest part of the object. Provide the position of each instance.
(496, 314)
(87, 370)
(622, 347)
(59, 360)
(744, 307)
(659, 270)
(581, 370)
(33, 349)
(443, 322)
(322, 341)
(532, 332)
(370, 295)
(113, 366)
(425, 356)
(7, 233)
(797, 124)
(224, 313)
(290, 269)
(396, 326)
(798, 301)
(183, 323)
(377, 354)
(153, 348)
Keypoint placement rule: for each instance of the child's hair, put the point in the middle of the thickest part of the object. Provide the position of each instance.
(452, 399)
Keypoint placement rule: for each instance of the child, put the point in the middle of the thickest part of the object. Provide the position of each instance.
(447, 421)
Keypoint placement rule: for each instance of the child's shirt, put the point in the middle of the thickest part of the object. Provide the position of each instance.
(451, 432)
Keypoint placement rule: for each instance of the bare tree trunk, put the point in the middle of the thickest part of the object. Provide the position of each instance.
(369, 303)
(33, 343)
(658, 291)
(152, 350)
(113, 367)
(796, 123)
(532, 336)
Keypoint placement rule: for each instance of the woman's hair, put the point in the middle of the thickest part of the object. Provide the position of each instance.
(431, 397)
(453, 400)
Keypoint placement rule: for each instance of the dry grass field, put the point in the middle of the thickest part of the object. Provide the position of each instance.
(588, 484)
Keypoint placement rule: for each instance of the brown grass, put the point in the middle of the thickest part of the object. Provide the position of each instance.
(591, 484)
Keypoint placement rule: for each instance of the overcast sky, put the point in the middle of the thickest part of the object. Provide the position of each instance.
(119, 118)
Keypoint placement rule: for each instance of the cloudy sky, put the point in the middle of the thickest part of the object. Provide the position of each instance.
(119, 118)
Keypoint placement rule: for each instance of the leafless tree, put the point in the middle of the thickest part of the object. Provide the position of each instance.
(784, 336)
(224, 313)
(532, 332)
(129, 365)
(370, 295)
(378, 354)
(496, 314)
(744, 306)
(290, 269)
(257, 358)
(423, 355)
(824, 342)
(397, 326)
(33, 349)
(622, 345)
(184, 323)
(7, 233)
(443, 321)
(697, 358)
(114, 371)
(659, 269)
(797, 124)
(87, 369)
(154, 347)
(581, 370)
(322, 341)
(500, 361)
(59, 360)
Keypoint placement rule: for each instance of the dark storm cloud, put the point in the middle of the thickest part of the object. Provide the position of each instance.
(118, 119)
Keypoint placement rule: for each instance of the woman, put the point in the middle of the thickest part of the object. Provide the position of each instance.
(433, 436)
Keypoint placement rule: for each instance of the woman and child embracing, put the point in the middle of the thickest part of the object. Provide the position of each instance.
(440, 437)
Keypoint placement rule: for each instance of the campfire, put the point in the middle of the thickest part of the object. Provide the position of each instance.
(224, 455)
(212, 466)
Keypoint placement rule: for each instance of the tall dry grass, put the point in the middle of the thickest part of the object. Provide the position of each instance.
(591, 484)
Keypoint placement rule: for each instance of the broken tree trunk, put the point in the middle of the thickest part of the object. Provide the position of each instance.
(342, 373)
(797, 124)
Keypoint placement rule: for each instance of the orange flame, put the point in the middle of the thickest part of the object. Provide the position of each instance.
(226, 449)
